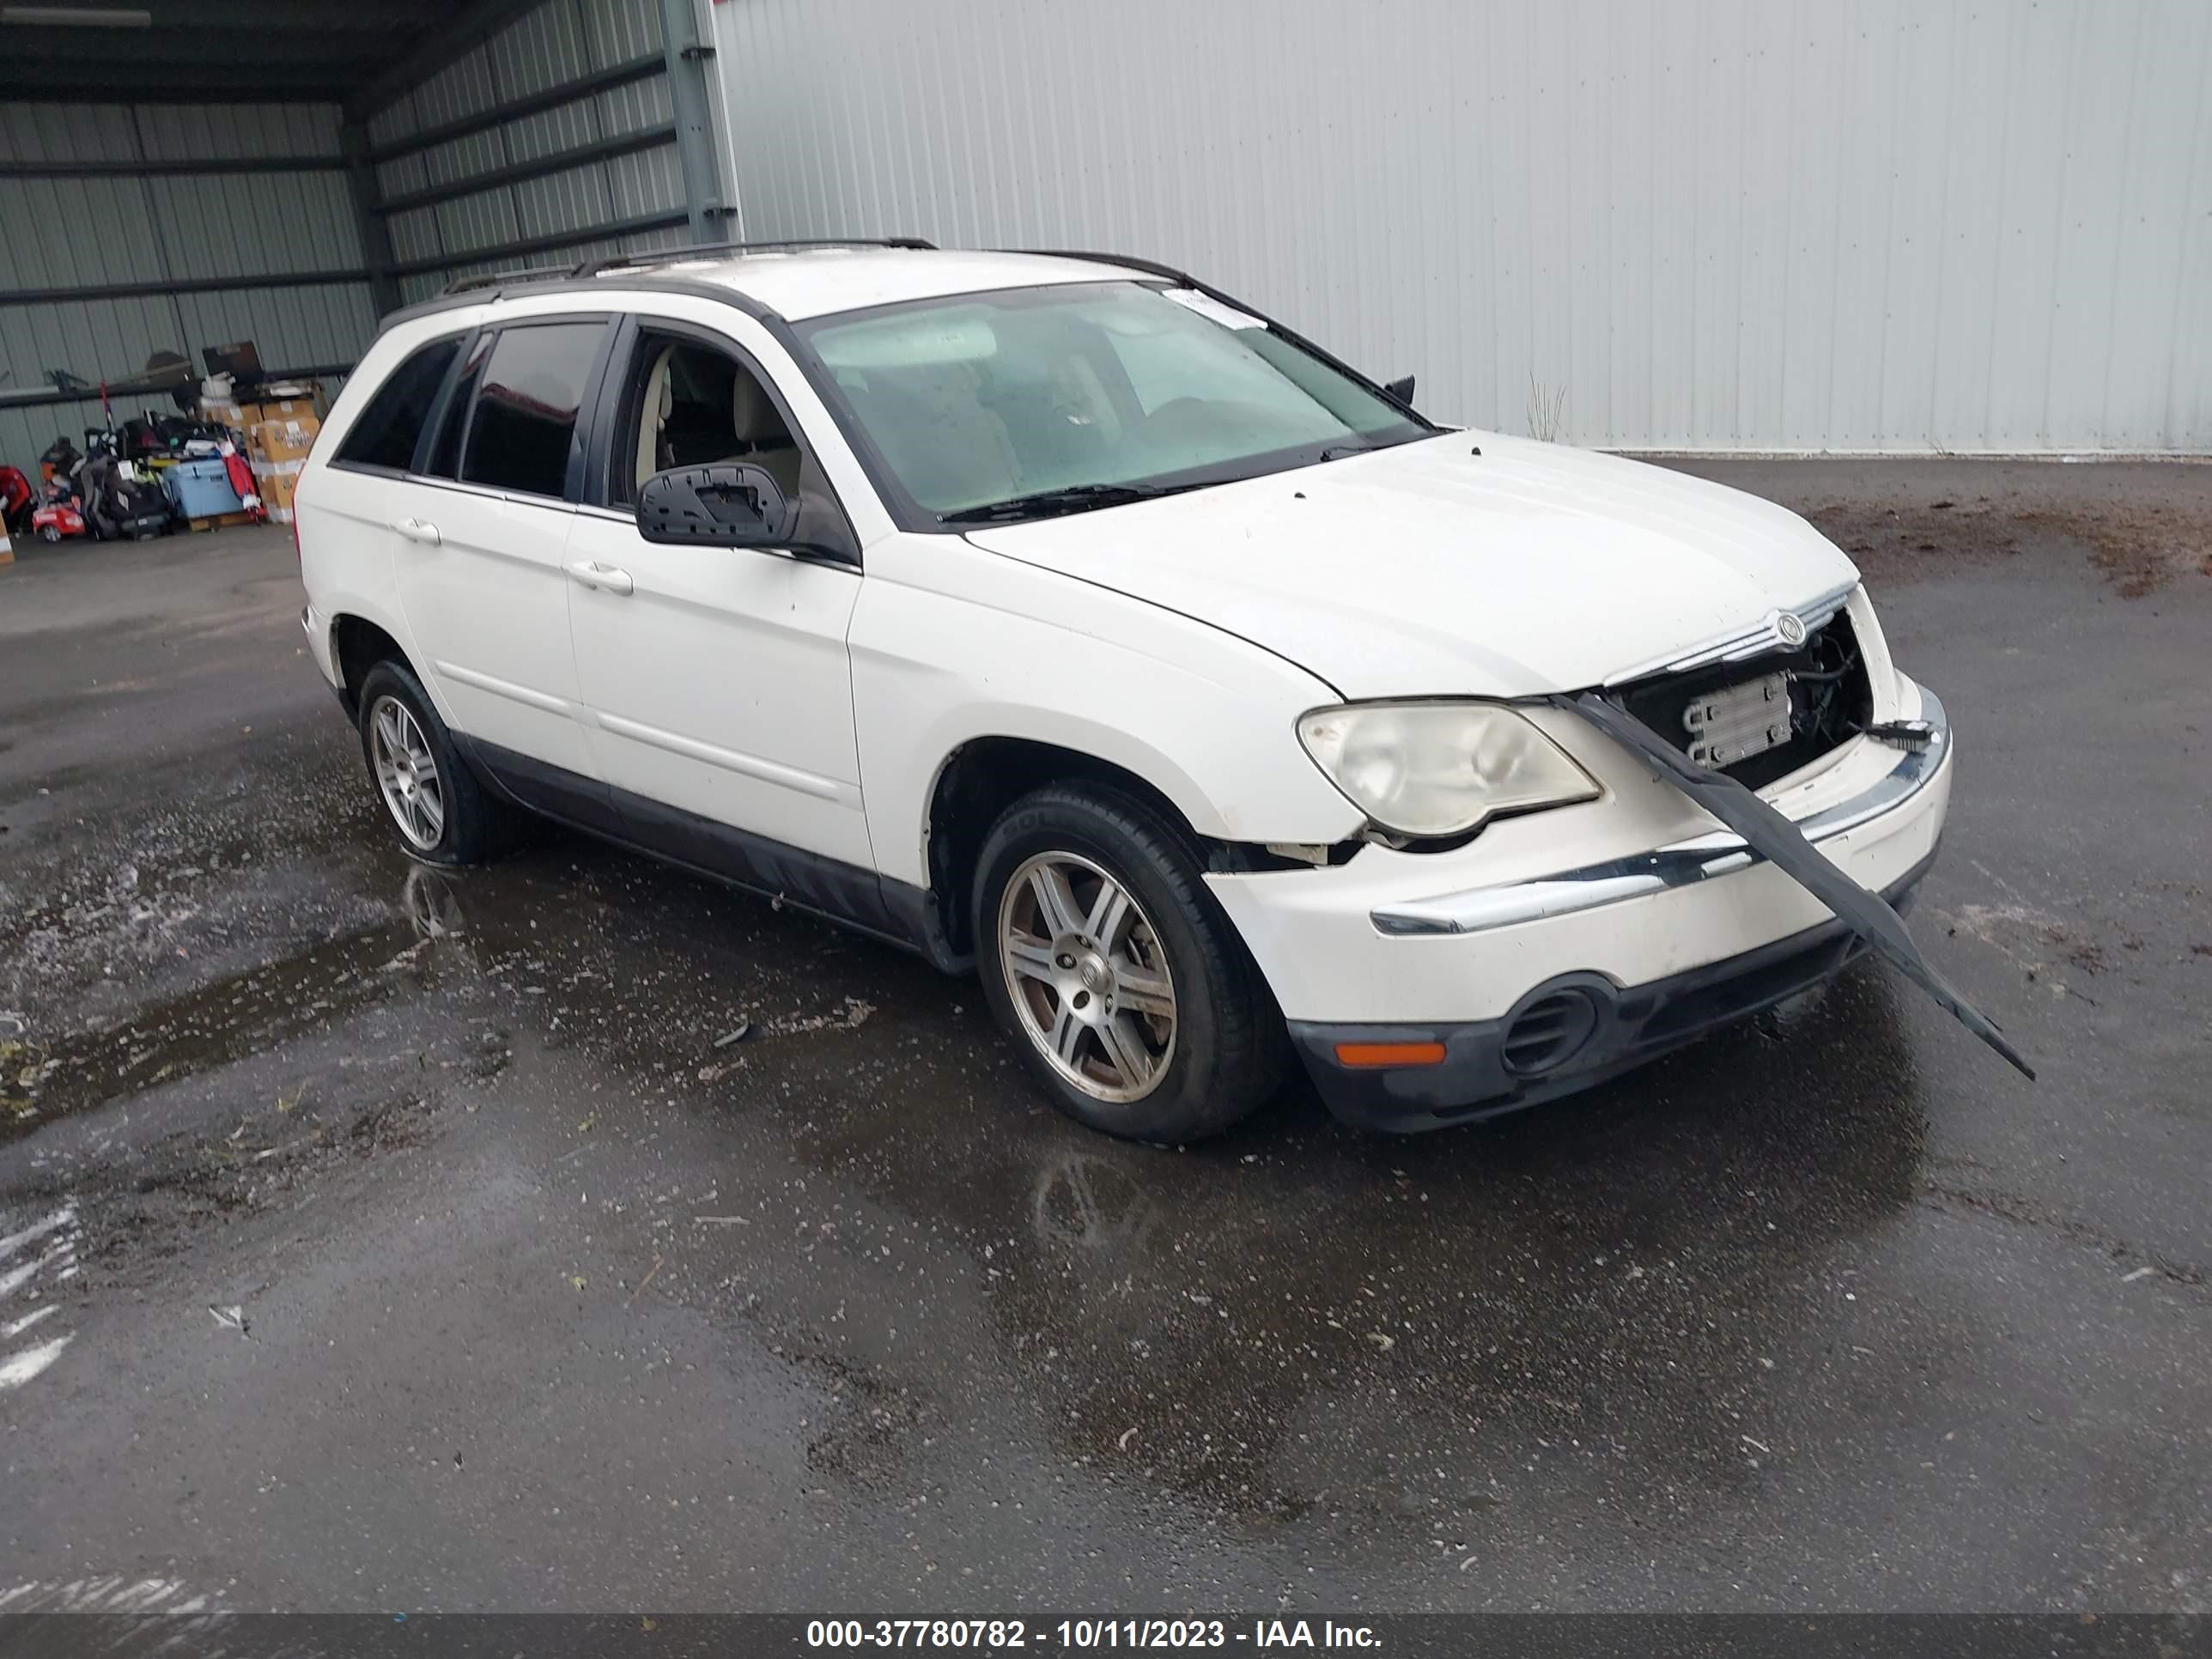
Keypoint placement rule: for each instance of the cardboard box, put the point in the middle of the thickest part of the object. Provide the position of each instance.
(293, 400)
(275, 489)
(281, 440)
(264, 409)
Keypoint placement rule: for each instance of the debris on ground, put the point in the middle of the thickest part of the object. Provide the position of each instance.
(657, 1263)
(735, 1034)
(855, 1014)
(234, 1315)
(2138, 548)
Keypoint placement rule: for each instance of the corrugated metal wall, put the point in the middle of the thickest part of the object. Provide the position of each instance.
(73, 233)
(1855, 225)
(562, 41)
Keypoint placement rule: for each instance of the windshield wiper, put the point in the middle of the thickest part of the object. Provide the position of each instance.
(1074, 498)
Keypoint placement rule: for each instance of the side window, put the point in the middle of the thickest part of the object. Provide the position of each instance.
(687, 405)
(525, 411)
(445, 453)
(684, 403)
(386, 432)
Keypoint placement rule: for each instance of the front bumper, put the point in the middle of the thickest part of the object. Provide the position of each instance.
(1637, 904)
(1629, 1026)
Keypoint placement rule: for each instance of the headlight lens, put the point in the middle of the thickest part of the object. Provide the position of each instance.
(1440, 769)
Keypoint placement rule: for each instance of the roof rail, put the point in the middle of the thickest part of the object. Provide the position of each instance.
(666, 255)
(525, 274)
(669, 255)
(1153, 266)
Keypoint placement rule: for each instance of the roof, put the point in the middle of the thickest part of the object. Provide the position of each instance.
(817, 281)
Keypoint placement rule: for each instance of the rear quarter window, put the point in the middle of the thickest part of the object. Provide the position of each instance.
(388, 429)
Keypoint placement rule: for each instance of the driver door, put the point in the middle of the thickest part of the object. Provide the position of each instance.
(714, 683)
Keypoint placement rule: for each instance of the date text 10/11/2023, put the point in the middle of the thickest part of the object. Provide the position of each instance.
(1003, 1635)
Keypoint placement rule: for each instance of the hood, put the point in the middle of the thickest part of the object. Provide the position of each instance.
(1427, 570)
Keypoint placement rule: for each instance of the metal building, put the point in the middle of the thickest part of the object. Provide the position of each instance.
(1790, 225)
(182, 173)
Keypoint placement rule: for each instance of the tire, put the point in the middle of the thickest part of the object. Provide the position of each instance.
(1219, 1049)
(428, 788)
(49, 533)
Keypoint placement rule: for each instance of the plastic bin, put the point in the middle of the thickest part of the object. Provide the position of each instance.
(201, 490)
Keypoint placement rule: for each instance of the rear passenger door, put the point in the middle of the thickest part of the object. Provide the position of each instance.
(482, 531)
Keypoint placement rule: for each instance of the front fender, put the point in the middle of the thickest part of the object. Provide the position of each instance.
(950, 644)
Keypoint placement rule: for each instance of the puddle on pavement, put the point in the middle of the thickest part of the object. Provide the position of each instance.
(1229, 1323)
(216, 1025)
(1265, 1324)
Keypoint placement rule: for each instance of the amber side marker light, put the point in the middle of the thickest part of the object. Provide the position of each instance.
(1389, 1054)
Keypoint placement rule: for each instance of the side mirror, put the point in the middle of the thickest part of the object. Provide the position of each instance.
(1400, 391)
(730, 504)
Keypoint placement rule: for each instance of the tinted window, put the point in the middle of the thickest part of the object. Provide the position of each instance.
(385, 435)
(445, 454)
(525, 412)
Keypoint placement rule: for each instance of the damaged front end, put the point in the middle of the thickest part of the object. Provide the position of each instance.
(1767, 834)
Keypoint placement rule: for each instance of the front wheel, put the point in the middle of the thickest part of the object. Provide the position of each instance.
(1135, 1005)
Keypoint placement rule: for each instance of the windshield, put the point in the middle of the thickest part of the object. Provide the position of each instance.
(1067, 392)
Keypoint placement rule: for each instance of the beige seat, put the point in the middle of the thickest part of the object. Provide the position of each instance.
(653, 419)
(764, 439)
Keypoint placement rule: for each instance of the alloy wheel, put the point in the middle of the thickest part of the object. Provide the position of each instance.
(1088, 976)
(407, 773)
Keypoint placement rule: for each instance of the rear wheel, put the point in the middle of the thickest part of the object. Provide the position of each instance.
(442, 815)
(1135, 1003)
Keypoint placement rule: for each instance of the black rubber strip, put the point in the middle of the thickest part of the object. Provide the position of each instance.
(1767, 832)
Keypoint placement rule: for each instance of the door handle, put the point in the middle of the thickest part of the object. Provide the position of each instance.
(417, 530)
(605, 577)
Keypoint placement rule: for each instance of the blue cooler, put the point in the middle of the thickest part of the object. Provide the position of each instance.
(201, 490)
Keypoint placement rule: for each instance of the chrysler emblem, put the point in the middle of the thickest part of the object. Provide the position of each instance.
(1791, 626)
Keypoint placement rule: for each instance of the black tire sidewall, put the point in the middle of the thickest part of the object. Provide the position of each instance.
(461, 838)
(1197, 1097)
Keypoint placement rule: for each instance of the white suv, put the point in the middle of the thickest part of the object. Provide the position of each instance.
(1058, 617)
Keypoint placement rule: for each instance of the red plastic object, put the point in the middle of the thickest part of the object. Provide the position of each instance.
(56, 520)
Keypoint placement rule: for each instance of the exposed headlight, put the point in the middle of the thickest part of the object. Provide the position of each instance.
(1440, 769)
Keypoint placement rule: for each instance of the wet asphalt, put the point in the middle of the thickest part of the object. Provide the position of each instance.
(411, 1241)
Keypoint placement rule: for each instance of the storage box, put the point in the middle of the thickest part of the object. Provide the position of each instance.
(281, 440)
(260, 409)
(201, 490)
(289, 400)
(275, 489)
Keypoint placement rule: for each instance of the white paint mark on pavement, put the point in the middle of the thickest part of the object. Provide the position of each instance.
(112, 1594)
(8, 1332)
(22, 1367)
(36, 1230)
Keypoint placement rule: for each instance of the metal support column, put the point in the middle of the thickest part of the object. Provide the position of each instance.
(375, 234)
(695, 132)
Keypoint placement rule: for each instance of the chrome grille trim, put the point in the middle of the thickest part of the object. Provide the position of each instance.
(1761, 637)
